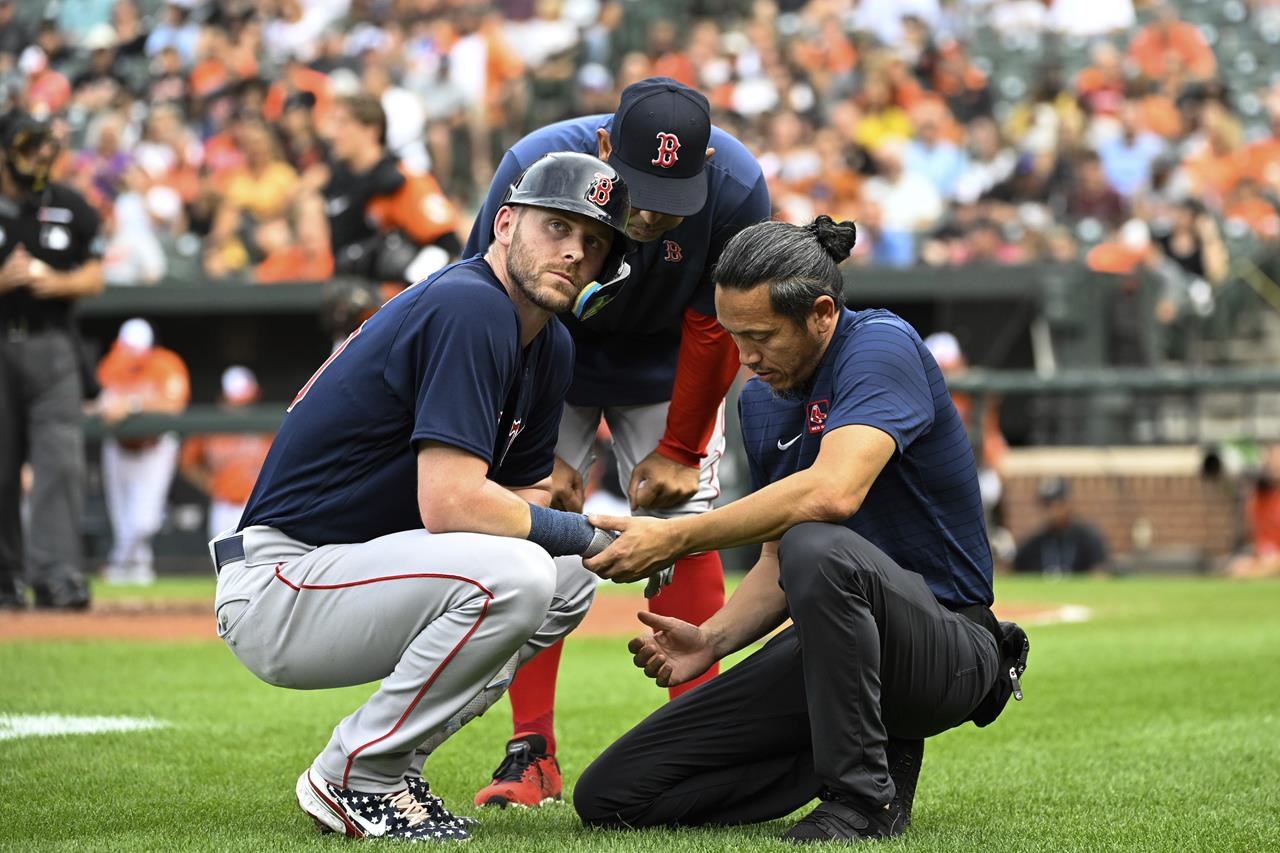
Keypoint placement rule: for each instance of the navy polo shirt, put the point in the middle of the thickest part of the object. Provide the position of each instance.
(441, 362)
(924, 509)
(626, 352)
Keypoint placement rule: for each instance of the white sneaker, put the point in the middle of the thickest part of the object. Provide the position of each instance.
(134, 574)
(362, 815)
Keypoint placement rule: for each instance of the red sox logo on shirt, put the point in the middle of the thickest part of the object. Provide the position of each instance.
(600, 190)
(818, 415)
(668, 145)
(674, 255)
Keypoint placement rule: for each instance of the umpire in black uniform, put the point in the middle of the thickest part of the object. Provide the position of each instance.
(866, 499)
(49, 257)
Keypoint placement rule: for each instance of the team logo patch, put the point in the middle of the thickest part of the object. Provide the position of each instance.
(674, 254)
(55, 237)
(818, 415)
(668, 145)
(600, 190)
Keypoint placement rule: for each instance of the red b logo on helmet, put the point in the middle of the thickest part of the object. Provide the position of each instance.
(668, 145)
(600, 190)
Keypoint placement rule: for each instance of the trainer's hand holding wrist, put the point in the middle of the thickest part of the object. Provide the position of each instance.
(563, 533)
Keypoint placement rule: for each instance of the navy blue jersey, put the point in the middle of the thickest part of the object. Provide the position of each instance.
(924, 509)
(626, 352)
(440, 362)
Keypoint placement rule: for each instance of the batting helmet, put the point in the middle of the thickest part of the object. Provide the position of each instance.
(585, 185)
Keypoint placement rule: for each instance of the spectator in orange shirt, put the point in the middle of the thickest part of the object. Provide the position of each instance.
(301, 250)
(1169, 45)
(1249, 205)
(1101, 85)
(47, 91)
(138, 377)
(1262, 514)
(1217, 166)
(1261, 159)
(668, 59)
(225, 465)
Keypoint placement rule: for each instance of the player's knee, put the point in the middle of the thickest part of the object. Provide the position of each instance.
(526, 591)
(815, 556)
(802, 551)
(602, 799)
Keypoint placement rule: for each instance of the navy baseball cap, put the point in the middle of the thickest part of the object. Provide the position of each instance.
(659, 140)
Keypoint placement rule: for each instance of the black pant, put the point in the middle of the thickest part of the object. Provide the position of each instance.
(40, 422)
(872, 654)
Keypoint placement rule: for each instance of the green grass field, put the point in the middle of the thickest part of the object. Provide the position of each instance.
(1154, 726)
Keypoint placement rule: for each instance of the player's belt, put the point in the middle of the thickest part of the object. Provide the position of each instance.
(228, 550)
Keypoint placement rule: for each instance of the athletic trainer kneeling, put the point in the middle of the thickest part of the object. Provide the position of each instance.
(866, 499)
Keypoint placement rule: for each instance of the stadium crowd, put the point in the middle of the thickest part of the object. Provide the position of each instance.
(207, 133)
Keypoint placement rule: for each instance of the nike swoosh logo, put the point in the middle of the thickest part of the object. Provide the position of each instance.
(784, 445)
(374, 830)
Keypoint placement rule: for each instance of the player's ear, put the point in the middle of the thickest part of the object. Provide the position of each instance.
(504, 225)
(604, 146)
(824, 314)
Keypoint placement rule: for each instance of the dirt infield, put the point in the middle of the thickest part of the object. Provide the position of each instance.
(610, 616)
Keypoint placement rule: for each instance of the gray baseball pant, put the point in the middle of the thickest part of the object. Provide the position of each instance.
(434, 616)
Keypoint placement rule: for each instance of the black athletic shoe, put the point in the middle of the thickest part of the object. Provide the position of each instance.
(12, 595)
(840, 820)
(905, 757)
(64, 594)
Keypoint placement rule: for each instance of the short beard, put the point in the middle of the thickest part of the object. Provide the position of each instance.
(521, 269)
(794, 394)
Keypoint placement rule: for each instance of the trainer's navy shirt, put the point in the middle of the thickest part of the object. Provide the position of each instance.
(626, 352)
(924, 509)
(440, 362)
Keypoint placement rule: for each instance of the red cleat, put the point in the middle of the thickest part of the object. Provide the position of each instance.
(528, 776)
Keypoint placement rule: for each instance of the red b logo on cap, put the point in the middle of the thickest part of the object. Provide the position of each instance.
(668, 145)
(600, 190)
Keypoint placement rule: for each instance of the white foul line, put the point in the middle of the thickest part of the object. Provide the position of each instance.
(46, 725)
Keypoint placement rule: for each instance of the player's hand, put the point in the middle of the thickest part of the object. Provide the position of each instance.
(646, 546)
(45, 283)
(566, 487)
(658, 482)
(113, 408)
(674, 652)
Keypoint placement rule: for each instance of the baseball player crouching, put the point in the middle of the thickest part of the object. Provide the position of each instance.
(399, 529)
